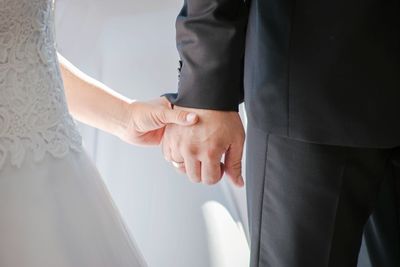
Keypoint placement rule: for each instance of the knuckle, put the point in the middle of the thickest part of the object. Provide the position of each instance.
(234, 165)
(160, 116)
(189, 150)
(212, 152)
(235, 170)
(174, 143)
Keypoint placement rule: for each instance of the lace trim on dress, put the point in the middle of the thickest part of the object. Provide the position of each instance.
(33, 110)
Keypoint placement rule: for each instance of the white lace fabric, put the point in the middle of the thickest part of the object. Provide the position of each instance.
(33, 111)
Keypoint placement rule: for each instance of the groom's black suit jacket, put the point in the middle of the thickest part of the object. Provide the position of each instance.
(319, 71)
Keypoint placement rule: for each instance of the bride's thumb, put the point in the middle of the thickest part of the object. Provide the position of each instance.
(180, 117)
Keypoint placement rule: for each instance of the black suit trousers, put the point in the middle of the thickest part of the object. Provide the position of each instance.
(310, 203)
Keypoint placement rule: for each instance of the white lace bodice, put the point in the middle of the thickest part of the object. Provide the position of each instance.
(33, 112)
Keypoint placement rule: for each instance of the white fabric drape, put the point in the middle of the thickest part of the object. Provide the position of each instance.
(130, 46)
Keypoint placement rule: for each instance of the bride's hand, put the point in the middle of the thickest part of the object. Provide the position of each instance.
(147, 121)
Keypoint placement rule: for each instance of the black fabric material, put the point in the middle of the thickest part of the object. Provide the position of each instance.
(210, 40)
(308, 203)
(382, 232)
(317, 71)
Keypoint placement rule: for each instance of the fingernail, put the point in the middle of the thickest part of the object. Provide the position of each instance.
(190, 117)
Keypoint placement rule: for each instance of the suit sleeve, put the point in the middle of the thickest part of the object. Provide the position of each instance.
(210, 38)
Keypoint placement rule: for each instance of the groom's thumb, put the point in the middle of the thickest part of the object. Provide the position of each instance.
(180, 117)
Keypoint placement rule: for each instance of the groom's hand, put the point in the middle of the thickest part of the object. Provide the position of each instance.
(197, 150)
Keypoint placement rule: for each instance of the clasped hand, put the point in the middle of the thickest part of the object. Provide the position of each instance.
(197, 150)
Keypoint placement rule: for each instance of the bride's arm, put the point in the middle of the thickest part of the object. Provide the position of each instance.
(95, 104)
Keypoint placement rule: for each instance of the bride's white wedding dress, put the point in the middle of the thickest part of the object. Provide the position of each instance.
(54, 208)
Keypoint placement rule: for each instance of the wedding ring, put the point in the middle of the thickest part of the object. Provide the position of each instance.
(177, 164)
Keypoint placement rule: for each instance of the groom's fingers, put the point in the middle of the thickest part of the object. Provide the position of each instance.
(211, 172)
(166, 151)
(233, 164)
(178, 117)
(193, 169)
(180, 168)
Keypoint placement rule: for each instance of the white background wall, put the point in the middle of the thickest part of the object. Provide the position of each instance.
(130, 46)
